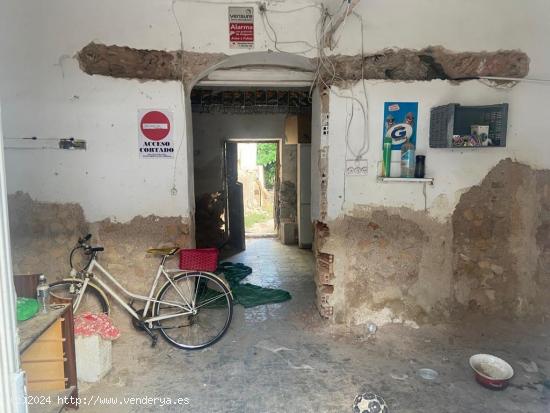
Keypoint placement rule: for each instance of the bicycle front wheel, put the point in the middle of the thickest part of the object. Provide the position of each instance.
(198, 308)
(94, 299)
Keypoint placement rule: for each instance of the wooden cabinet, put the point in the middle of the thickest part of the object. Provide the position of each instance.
(48, 355)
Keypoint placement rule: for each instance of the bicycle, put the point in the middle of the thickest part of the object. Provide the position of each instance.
(192, 309)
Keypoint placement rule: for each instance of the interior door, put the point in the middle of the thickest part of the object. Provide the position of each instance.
(235, 205)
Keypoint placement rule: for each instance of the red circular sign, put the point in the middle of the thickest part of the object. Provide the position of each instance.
(155, 125)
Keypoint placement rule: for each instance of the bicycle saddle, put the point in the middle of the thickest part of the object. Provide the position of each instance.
(163, 251)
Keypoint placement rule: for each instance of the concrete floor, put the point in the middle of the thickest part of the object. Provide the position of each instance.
(283, 358)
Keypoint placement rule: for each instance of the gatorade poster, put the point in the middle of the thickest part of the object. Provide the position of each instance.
(400, 122)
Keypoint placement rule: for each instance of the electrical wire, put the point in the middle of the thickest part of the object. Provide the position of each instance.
(273, 35)
(174, 189)
(515, 79)
(217, 2)
(333, 46)
(315, 6)
(366, 142)
(326, 64)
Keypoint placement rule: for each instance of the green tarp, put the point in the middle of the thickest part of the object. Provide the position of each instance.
(249, 295)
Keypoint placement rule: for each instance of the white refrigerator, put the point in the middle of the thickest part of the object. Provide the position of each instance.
(305, 230)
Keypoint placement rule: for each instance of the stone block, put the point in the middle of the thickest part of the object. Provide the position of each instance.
(288, 233)
(93, 358)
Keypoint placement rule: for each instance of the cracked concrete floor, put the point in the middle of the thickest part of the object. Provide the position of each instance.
(283, 358)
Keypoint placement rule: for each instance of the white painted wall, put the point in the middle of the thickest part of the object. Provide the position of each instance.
(315, 156)
(45, 94)
(460, 25)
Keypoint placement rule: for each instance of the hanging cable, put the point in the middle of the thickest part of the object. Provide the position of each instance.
(174, 190)
(272, 34)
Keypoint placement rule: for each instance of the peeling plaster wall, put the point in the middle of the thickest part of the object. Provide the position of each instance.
(400, 255)
(43, 234)
(44, 93)
(126, 202)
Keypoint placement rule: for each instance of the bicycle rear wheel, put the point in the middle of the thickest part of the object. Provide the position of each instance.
(202, 310)
(94, 300)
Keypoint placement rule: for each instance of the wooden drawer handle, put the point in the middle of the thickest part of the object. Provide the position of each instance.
(63, 359)
(48, 380)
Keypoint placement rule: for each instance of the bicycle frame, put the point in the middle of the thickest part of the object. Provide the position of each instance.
(149, 300)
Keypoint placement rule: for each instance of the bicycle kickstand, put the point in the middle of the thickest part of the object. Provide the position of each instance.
(153, 336)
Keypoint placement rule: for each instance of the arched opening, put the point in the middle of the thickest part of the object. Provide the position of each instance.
(254, 100)
(249, 72)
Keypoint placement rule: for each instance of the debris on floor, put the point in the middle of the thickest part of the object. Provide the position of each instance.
(529, 366)
(287, 354)
(428, 374)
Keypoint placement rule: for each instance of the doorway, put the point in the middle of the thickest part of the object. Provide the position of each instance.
(251, 166)
(258, 166)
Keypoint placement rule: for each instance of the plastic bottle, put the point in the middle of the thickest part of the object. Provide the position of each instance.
(407, 160)
(43, 293)
(386, 156)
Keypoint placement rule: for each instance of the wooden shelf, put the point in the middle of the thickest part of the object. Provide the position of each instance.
(410, 180)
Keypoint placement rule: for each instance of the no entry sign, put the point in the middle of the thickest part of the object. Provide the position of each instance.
(241, 27)
(155, 133)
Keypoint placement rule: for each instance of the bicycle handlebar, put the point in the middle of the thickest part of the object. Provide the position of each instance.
(83, 242)
(84, 239)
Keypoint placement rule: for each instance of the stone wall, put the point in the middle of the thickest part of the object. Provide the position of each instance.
(501, 241)
(434, 62)
(399, 265)
(43, 234)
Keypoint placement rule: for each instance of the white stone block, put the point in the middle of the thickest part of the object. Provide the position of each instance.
(93, 357)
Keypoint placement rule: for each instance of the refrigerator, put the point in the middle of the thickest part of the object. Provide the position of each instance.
(305, 228)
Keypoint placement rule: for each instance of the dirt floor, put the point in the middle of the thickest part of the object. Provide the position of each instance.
(264, 228)
(284, 358)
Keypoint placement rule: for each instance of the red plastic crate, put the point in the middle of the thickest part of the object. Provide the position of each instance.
(202, 259)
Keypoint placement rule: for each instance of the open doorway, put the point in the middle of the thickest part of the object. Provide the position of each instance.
(251, 166)
(258, 165)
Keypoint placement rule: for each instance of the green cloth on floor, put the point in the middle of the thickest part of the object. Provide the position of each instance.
(249, 295)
